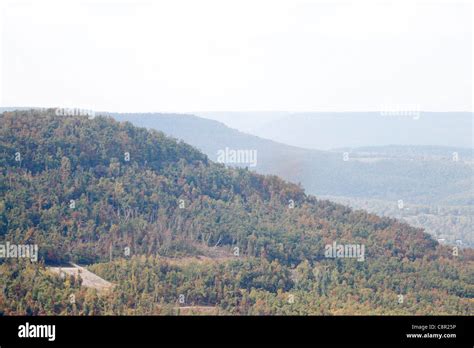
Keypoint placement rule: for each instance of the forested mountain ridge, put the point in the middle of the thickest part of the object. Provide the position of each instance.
(64, 159)
(437, 177)
(86, 190)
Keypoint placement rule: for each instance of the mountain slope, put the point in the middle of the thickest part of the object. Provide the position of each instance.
(73, 158)
(95, 190)
(425, 178)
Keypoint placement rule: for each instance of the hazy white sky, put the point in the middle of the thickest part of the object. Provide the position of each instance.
(195, 55)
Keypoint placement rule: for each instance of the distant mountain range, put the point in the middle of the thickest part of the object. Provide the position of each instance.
(328, 130)
(415, 174)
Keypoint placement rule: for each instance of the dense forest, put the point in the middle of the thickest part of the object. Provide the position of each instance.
(179, 234)
(434, 182)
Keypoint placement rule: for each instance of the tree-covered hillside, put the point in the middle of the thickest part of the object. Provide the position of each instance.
(436, 177)
(99, 191)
